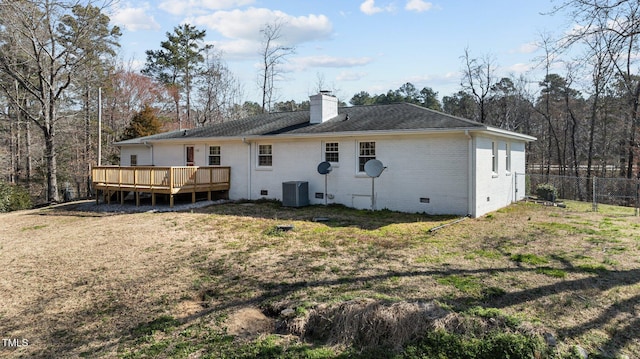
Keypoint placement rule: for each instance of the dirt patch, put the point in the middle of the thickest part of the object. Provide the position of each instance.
(188, 308)
(249, 323)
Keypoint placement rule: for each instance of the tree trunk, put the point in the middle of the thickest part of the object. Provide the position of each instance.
(86, 156)
(28, 164)
(52, 166)
(13, 139)
(18, 144)
(632, 131)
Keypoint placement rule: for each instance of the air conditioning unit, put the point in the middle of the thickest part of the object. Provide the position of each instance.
(295, 194)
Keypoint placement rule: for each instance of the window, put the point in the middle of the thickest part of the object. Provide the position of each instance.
(214, 155)
(331, 152)
(508, 157)
(367, 152)
(265, 155)
(494, 156)
(134, 160)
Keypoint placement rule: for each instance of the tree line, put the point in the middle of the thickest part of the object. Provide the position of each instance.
(56, 55)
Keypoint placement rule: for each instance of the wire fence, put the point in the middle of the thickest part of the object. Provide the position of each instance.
(597, 190)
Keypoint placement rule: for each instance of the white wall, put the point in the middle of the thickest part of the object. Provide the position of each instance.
(433, 167)
(495, 190)
(233, 154)
(143, 153)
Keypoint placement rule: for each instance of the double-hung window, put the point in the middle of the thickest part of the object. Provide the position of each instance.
(367, 152)
(214, 155)
(331, 153)
(508, 157)
(494, 157)
(265, 155)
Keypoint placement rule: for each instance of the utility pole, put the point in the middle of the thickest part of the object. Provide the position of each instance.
(99, 126)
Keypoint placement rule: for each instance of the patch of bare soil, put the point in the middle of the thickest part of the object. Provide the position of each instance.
(249, 323)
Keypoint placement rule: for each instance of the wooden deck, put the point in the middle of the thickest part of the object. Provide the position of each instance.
(163, 180)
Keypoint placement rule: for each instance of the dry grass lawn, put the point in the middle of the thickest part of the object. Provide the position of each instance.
(86, 284)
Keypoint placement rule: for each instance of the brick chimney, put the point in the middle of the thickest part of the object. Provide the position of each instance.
(324, 106)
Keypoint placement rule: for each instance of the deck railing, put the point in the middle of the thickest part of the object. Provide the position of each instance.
(169, 180)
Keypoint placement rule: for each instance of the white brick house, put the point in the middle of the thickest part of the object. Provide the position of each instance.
(436, 163)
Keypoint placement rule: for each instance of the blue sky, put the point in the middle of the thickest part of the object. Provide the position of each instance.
(354, 45)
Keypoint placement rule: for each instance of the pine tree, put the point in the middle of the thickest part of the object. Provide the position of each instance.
(144, 123)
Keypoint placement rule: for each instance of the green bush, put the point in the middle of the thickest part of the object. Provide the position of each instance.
(547, 191)
(13, 197)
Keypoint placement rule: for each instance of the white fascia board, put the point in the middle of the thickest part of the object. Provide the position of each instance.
(505, 133)
(460, 130)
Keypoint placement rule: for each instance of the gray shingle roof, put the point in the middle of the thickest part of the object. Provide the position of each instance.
(392, 117)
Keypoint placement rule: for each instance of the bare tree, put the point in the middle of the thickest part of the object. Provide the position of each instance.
(478, 79)
(47, 57)
(601, 73)
(126, 94)
(218, 91)
(618, 23)
(273, 54)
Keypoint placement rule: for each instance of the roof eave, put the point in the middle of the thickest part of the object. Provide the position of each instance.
(510, 134)
(342, 134)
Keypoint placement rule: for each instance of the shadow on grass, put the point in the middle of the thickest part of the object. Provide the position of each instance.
(65, 334)
(601, 281)
(68, 333)
(333, 215)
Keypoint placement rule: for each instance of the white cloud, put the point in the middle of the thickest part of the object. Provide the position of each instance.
(368, 7)
(520, 68)
(134, 18)
(246, 24)
(303, 63)
(434, 81)
(528, 48)
(237, 49)
(350, 76)
(418, 5)
(184, 7)
(242, 28)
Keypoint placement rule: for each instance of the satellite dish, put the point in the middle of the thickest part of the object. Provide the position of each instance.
(373, 168)
(324, 168)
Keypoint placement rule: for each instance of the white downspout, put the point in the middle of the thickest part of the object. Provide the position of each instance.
(248, 143)
(471, 178)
